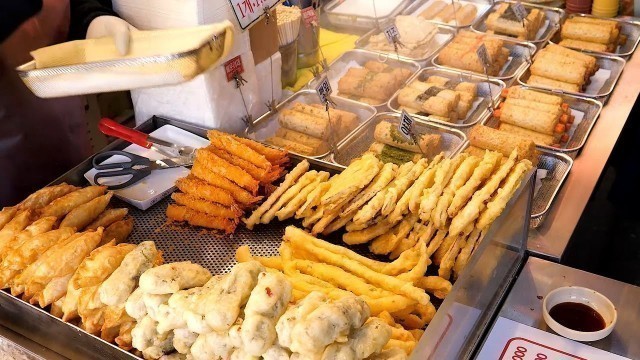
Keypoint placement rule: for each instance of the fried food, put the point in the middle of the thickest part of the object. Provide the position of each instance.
(462, 174)
(196, 218)
(480, 174)
(84, 214)
(304, 180)
(443, 174)
(355, 177)
(400, 185)
(118, 231)
(313, 199)
(221, 167)
(14, 227)
(172, 277)
(435, 285)
(436, 242)
(385, 243)
(38, 227)
(107, 218)
(265, 176)
(448, 260)
(241, 195)
(368, 234)
(64, 204)
(236, 148)
(203, 206)
(300, 197)
(275, 156)
(193, 186)
(44, 196)
(289, 180)
(6, 214)
(411, 196)
(465, 253)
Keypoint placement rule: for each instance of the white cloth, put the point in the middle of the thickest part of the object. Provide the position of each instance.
(112, 26)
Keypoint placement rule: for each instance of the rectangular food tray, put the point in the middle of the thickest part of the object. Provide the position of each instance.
(606, 62)
(355, 21)
(557, 167)
(553, 18)
(488, 90)
(338, 67)
(266, 125)
(629, 28)
(589, 109)
(419, 6)
(359, 141)
(519, 59)
(217, 253)
(444, 35)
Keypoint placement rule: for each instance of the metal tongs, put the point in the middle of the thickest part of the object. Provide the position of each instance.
(112, 128)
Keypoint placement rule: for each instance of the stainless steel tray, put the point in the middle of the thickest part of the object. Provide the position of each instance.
(419, 6)
(553, 15)
(354, 21)
(359, 141)
(629, 28)
(578, 134)
(488, 90)
(338, 67)
(606, 62)
(557, 167)
(266, 125)
(521, 53)
(444, 35)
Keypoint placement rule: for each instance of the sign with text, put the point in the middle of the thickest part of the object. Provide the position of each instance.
(323, 89)
(483, 55)
(406, 125)
(309, 16)
(519, 11)
(233, 67)
(249, 11)
(392, 34)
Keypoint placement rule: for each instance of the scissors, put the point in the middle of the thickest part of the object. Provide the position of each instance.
(137, 166)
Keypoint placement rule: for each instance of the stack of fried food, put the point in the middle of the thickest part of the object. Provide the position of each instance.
(556, 67)
(460, 53)
(439, 97)
(451, 13)
(373, 84)
(59, 245)
(251, 312)
(587, 33)
(447, 204)
(504, 21)
(415, 33)
(482, 138)
(225, 180)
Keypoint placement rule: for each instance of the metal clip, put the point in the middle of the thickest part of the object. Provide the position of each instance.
(237, 77)
(329, 103)
(248, 120)
(271, 106)
(267, 14)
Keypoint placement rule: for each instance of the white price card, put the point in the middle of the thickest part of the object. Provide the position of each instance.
(249, 11)
(323, 89)
(483, 55)
(519, 11)
(406, 125)
(392, 34)
(510, 340)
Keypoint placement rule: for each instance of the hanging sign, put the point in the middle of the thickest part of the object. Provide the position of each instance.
(309, 16)
(483, 55)
(233, 67)
(519, 11)
(406, 125)
(249, 11)
(323, 89)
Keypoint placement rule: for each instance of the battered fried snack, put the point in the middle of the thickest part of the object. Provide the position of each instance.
(6, 214)
(63, 205)
(368, 234)
(443, 175)
(304, 180)
(107, 218)
(301, 197)
(481, 172)
(439, 215)
(14, 227)
(44, 196)
(193, 186)
(241, 195)
(436, 242)
(465, 253)
(275, 156)
(172, 277)
(448, 260)
(84, 214)
(39, 226)
(236, 148)
(400, 185)
(203, 206)
(313, 199)
(221, 167)
(118, 231)
(196, 218)
(435, 285)
(385, 243)
(355, 177)
(265, 176)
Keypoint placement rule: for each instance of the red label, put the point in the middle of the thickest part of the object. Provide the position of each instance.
(233, 67)
(309, 16)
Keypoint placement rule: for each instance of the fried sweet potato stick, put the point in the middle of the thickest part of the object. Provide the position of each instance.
(436, 242)
(304, 180)
(301, 197)
(385, 243)
(118, 231)
(410, 199)
(236, 148)
(420, 268)
(449, 258)
(203, 206)
(439, 215)
(196, 218)
(221, 167)
(241, 195)
(107, 218)
(63, 205)
(243, 254)
(443, 248)
(6, 214)
(46, 195)
(435, 285)
(465, 253)
(84, 214)
(195, 187)
(313, 200)
(443, 175)
(489, 162)
(400, 185)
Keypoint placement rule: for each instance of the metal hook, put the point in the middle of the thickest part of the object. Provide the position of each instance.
(237, 77)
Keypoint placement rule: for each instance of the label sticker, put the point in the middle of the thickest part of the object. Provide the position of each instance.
(406, 125)
(233, 67)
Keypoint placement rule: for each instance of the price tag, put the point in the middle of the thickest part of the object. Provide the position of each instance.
(392, 34)
(309, 16)
(406, 125)
(323, 89)
(519, 11)
(248, 11)
(233, 67)
(483, 55)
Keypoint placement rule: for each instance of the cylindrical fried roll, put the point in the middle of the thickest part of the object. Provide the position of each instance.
(491, 139)
(447, 14)
(434, 9)
(573, 73)
(409, 97)
(532, 95)
(583, 45)
(467, 87)
(590, 61)
(587, 32)
(555, 110)
(462, 108)
(438, 80)
(291, 145)
(552, 84)
(317, 145)
(538, 138)
(304, 123)
(372, 85)
(436, 105)
(535, 120)
(460, 60)
(589, 20)
(466, 14)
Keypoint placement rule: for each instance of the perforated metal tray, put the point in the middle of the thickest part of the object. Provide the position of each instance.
(554, 17)
(578, 135)
(355, 21)
(444, 35)
(557, 167)
(358, 143)
(628, 28)
(613, 63)
(340, 65)
(419, 6)
(267, 125)
(488, 90)
(521, 53)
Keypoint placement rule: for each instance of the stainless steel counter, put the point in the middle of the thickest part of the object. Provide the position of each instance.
(17, 347)
(539, 277)
(551, 238)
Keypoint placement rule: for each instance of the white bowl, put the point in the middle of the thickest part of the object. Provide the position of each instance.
(585, 296)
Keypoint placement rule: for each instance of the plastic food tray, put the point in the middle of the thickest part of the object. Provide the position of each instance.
(355, 21)
(589, 107)
(419, 6)
(359, 141)
(628, 28)
(444, 35)
(267, 125)
(606, 62)
(553, 16)
(557, 167)
(338, 67)
(521, 53)
(488, 90)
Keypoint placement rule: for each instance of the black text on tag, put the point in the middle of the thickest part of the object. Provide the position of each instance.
(519, 11)
(392, 34)
(406, 125)
(483, 55)
(323, 89)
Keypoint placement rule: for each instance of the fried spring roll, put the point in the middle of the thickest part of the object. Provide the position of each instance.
(538, 138)
(63, 205)
(536, 80)
(587, 32)
(540, 121)
(45, 196)
(532, 95)
(491, 139)
(583, 45)
(118, 231)
(107, 218)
